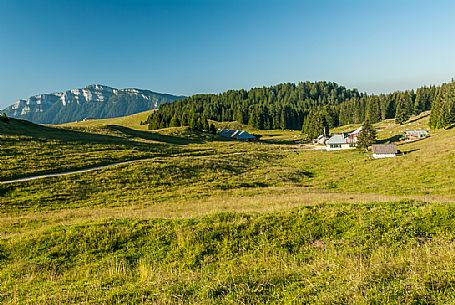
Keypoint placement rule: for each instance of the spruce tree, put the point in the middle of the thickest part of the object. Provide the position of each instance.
(443, 107)
(367, 136)
(401, 115)
(184, 120)
(205, 123)
(175, 122)
(212, 129)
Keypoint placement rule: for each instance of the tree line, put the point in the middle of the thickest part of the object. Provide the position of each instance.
(282, 106)
(400, 105)
(310, 106)
(443, 107)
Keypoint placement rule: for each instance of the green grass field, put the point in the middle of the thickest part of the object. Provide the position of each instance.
(202, 220)
(130, 121)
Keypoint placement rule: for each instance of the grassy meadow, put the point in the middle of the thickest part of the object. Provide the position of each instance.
(202, 220)
(130, 121)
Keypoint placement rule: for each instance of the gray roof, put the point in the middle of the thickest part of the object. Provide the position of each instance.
(236, 134)
(384, 149)
(417, 132)
(336, 139)
(227, 133)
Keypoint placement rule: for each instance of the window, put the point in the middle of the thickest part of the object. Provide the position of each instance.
(335, 145)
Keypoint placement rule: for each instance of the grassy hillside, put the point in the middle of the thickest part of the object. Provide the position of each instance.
(387, 129)
(131, 121)
(205, 220)
(28, 149)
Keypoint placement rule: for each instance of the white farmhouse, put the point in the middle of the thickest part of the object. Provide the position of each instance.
(339, 142)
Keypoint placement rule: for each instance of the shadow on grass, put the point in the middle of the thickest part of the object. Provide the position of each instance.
(75, 137)
(406, 152)
(418, 118)
(154, 136)
(40, 132)
(279, 142)
(300, 174)
(272, 140)
(395, 138)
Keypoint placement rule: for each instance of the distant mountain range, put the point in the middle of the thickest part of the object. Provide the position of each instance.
(93, 101)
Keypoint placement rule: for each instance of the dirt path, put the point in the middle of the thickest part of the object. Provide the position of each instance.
(85, 170)
(90, 169)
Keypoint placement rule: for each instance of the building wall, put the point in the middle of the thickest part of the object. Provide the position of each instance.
(351, 139)
(382, 156)
(343, 147)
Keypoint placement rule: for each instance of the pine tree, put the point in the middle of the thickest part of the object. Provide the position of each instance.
(198, 125)
(175, 122)
(212, 129)
(373, 111)
(316, 123)
(192, 120)
(401, 115)
(184, 119)
(367, 136)
(443, 107)
(205, 123)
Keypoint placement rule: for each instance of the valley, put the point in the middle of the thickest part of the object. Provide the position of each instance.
(227, 152)
(203, 219)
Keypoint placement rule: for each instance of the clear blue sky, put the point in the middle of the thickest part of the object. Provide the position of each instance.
(187, 47)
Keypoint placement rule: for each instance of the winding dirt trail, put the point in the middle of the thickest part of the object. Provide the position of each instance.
(89, 169)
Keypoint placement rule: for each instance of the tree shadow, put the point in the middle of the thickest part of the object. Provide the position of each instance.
(406, 152)
(279, 142)
(74, 137)
(272, 139)
(18, 127)
(300, 174)
(418, 118)
(392, 139)
(193, 138)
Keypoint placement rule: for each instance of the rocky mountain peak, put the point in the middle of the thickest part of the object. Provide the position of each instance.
(95, 101)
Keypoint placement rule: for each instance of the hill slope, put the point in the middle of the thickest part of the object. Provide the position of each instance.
(207, 221)
(93, 101)
(130, 121)
(28, 149)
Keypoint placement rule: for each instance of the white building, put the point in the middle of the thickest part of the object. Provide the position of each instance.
(339, 142)
(320, 140)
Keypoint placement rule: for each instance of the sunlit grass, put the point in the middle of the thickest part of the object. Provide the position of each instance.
(211, 221)
(338, 253)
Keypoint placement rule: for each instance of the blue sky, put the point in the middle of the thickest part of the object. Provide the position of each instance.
(187, 47)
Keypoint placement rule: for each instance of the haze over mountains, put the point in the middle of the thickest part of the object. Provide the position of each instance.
(93, 101)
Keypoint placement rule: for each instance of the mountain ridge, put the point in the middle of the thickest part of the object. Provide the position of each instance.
(92, 101)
